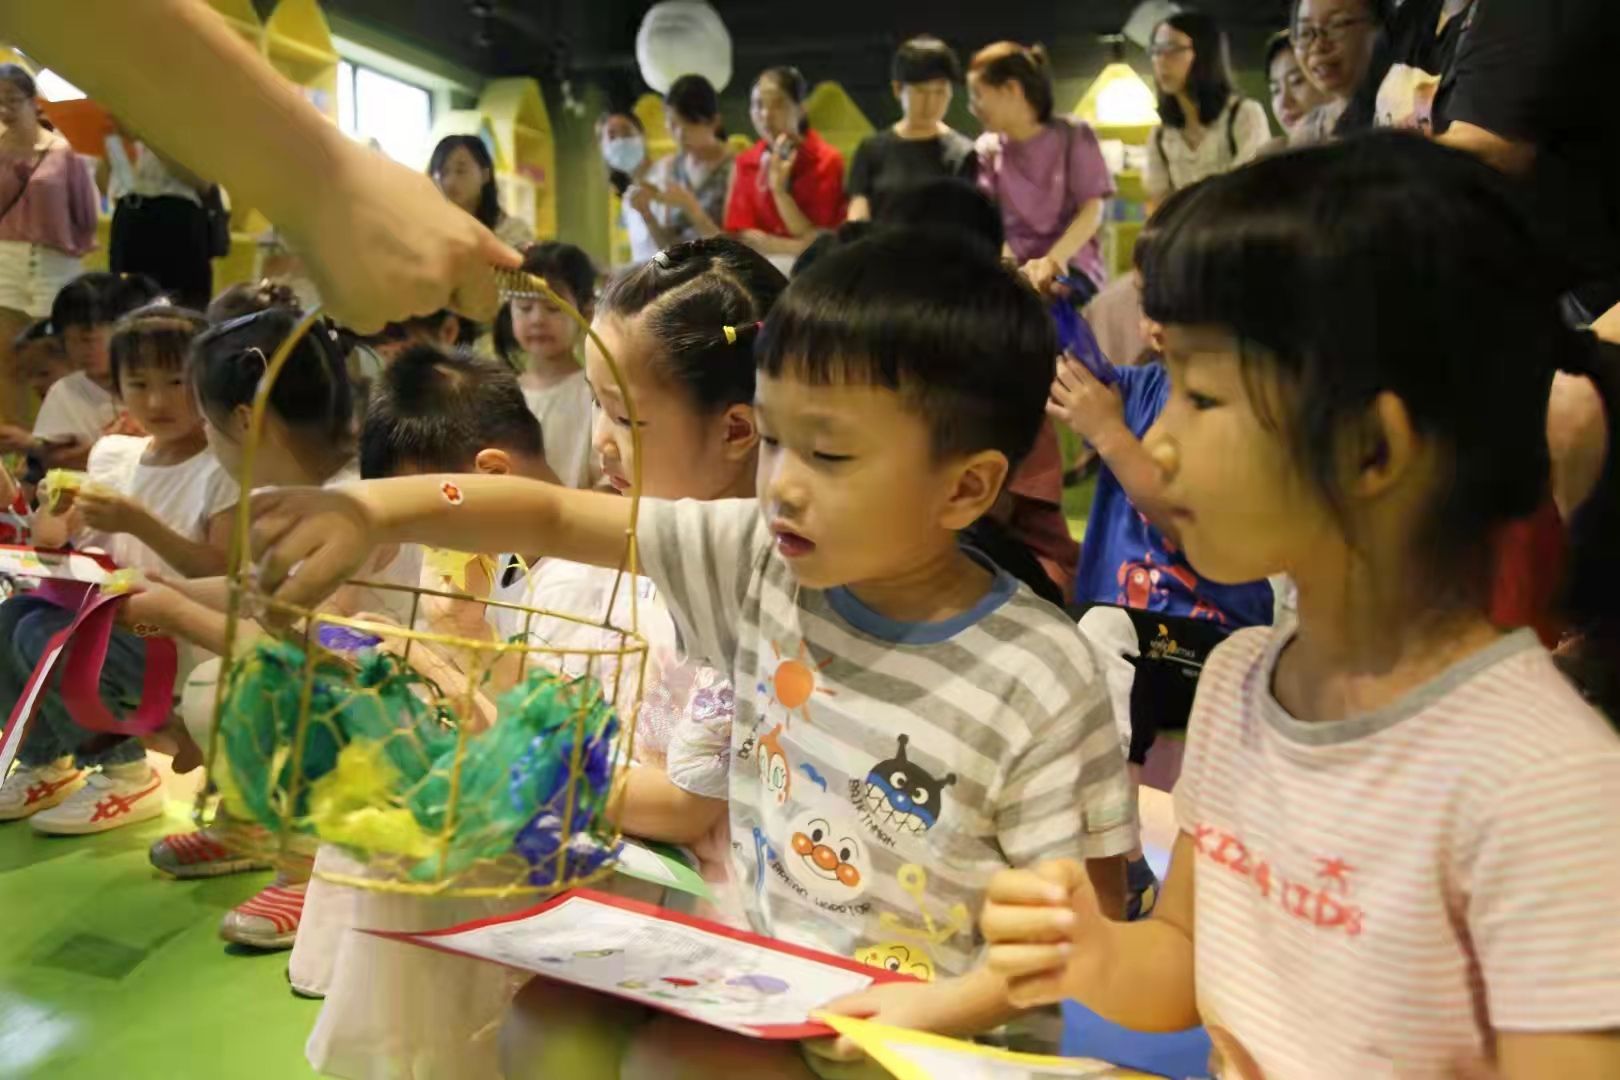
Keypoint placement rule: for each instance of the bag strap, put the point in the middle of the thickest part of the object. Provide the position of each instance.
(80, 651)
(28, 179)
(1231, 127)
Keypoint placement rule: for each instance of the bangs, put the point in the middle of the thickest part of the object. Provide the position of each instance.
(154, 342)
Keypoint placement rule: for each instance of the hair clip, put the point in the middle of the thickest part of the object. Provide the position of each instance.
(662, 260)
(731, 334)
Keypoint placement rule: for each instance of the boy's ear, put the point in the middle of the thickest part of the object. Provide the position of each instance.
(492, 462)
(739, 432)
(241, 421)
(978, 481)
(449, 331)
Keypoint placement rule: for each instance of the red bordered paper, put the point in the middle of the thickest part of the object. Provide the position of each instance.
(678, 964)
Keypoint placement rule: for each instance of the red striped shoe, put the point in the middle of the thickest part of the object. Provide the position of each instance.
(269, 920)
(205, 853)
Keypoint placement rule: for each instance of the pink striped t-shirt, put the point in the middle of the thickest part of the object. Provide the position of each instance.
(1377, 896)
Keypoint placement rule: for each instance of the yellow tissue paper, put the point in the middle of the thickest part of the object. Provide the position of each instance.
(58, 484)
(350, 805)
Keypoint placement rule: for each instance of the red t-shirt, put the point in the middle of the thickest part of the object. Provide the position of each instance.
(1037, 517)
(817, 186)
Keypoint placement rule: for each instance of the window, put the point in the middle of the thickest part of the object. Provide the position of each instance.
(396, 115)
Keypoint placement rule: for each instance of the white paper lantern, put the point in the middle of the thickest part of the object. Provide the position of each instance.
(683, 37)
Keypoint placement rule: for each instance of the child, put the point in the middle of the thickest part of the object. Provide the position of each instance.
(163, 500)
(41, 358)
(1131, 560)
(898, 382)
(80, 407)
(543, 341)
(307, 439)
(390, 1003)
(1395, 855)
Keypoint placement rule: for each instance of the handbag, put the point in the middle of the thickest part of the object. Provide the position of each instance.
(219, 222)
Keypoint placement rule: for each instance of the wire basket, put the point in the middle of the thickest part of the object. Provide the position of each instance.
(448, 765)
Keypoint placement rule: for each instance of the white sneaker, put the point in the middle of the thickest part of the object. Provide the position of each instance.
(105, 802)
(27, 791)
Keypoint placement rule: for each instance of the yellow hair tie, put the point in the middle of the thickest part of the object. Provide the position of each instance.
(731, 334)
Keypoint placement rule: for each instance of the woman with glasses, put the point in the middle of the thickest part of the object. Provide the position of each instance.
(464, 170)
(1204, 128)
(1335, 41)
(920, 147)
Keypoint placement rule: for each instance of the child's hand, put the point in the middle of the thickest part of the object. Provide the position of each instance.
(108, 511)
(918, 1006)
(680, 196)
(641, 198)
(327, 534)
(1082, 403)
(15, 440)
(779, 167)
(151, 610)
(1039, 924)
(124, 424)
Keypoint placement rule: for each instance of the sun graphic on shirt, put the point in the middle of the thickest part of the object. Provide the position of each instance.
(1336, 871)
(793, 683)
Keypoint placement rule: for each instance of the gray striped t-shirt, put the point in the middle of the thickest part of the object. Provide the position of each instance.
(883, 772)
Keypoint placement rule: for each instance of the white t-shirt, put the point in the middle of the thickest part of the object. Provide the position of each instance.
(564, 411)
(1233, 138)
(1377, 895)
(75, 406)
(396, 566)
(185, 497)
(133, 169)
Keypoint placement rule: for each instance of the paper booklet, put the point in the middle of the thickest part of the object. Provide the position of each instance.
(679, 964)
(918, 1055)
(86, 567)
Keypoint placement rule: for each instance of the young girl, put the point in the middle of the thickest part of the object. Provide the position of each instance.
(543, 342)
(666, 324)
(158, 503)
(307, 440)
(1395, 853)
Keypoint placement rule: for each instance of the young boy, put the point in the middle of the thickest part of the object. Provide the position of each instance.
(80, 407)
(163, 502)
(923, 719)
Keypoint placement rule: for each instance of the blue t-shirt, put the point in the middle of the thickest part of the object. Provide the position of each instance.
(1127, 561)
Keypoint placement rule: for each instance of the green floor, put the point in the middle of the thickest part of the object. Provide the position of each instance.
(109, 969)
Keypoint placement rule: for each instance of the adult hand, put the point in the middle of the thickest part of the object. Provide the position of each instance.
(1038, 923)
(779, 166)
(641, 197)
(108, 511)
(1083, 404)
(1042, 274)
(326, 534)
(679, 196)
(382, 244)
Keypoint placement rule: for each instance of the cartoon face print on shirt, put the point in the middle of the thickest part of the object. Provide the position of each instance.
(775, 778)
(899, 958)
(901, 796)
(826, 856)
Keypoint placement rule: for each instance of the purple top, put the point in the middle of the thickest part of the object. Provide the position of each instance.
(1040, 192)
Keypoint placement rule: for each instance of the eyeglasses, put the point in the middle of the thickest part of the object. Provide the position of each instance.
(1157, 51)
(1329, 33)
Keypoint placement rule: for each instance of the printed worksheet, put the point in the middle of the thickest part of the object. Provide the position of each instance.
(676, 963)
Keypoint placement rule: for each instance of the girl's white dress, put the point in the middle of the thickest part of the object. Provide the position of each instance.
(398, 1011)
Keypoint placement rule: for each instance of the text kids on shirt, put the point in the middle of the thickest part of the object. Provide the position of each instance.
(392, 1006)
(1396, 853)
(163, 504)
(543, 341)
(81, 407)
(907, 720)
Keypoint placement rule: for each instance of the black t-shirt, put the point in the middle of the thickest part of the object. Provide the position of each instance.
(1541, 72)
(885, 164)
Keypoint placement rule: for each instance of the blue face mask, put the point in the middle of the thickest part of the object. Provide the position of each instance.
(625, 154)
